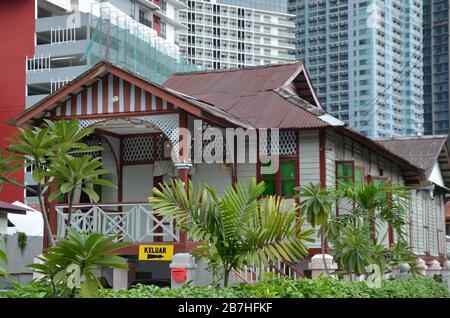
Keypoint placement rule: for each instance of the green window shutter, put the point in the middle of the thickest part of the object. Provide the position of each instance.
(269, 182)
(288, 178)
(288, 170)
(378, 181)
(345, 170)
(345, 173)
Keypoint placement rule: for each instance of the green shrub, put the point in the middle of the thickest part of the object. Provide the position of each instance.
(305, 288)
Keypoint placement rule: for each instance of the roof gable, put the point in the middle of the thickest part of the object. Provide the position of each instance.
(107, 89)
(424, 152)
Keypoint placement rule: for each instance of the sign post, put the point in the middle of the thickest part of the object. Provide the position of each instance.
(155, 252)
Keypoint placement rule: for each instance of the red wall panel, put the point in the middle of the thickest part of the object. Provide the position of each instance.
(17, 23)
(157, 25)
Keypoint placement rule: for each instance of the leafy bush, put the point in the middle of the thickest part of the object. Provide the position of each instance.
(71, 267)
(305, 288)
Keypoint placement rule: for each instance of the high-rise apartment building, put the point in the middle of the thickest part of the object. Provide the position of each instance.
(365, 60)
(225, 34)
(436, 48)
(73, 35)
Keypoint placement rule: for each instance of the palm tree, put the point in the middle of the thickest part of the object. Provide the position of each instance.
(317, 204)
(76, 173)
(241, 227)
(379, 203)
(354, 235)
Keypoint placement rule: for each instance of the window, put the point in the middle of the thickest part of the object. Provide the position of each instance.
(345, 174)
(163, 30)
(30, 193)
(349, 174)
(282, 182)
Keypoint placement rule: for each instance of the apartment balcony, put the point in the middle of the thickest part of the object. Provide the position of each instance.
(47, 74)
(46, 24)
(63, 48)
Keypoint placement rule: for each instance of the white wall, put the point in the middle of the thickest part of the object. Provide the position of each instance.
(309, 157)
(245, 171)
(137, 183)
(3, 223)
(109, 156)
(212, 175)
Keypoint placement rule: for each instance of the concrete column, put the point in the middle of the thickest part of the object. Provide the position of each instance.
(187, 262)
(434, 269)
(446, 274)
(421, 266)
(395, 270)
(35, 274)
(404, 271)
(317, 266)
(120, 278)
(183, 175)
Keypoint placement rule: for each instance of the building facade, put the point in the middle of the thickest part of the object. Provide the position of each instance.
(226, 34)
(314, 147)
(364, 58)
(436, 48)
(17, 33)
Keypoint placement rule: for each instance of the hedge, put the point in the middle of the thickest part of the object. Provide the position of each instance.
(304, 288)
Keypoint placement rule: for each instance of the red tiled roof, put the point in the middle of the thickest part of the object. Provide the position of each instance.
(258, 95)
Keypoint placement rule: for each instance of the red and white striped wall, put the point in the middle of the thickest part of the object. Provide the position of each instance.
(111, 95)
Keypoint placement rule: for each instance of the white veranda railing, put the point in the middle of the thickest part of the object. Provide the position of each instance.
(132, 222)
(253, 274)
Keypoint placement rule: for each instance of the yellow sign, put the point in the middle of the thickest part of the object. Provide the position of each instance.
(155, 252)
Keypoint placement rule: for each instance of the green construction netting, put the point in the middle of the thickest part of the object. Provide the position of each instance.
(122, 41)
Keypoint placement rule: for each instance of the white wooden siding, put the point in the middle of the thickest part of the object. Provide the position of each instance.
(309, 157)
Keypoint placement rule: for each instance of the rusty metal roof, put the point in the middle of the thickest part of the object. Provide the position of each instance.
(6, 207)
(275, 96)
(421, 151)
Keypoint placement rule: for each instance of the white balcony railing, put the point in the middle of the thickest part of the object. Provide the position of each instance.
(55, 85)
(40, 63)
(132, 222)
(63, 35)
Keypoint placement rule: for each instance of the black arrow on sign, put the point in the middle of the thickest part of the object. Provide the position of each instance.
(151, 256)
